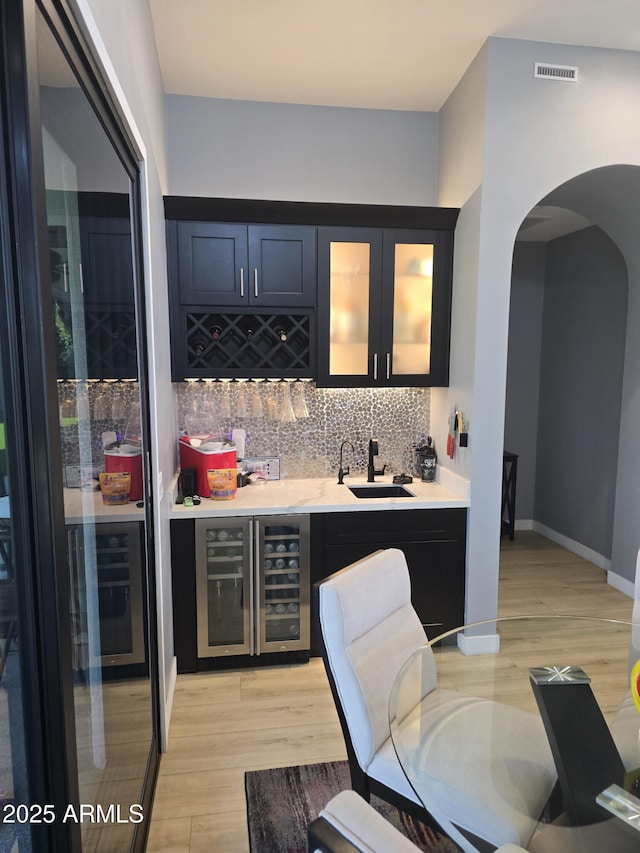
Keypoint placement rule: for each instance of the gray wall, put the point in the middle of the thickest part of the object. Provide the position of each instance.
(523, 368)
(536, 135)
(609, 197)
(581, 370)
(244, 149)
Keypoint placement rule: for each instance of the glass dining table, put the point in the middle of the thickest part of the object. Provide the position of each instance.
(455, 717)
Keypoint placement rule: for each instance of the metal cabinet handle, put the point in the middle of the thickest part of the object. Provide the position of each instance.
(255, 283)
(252, 550)
(65, 278)
(241, 282)
(375, 365)
(81, 279)
(388, 366)
(257, 609)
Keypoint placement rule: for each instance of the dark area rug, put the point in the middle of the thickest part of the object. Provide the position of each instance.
(282, 802)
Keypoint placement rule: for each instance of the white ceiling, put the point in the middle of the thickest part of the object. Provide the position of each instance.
(377, 54)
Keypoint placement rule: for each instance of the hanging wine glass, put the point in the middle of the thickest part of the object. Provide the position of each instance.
(67, 410)
(300, 408)
(209, 407)
(133, 428)
(286, 414)
(118, 406)
(82, 402)
(272, 403)
(225, 401)
(257, 409)
(242, 407)
(101, 405)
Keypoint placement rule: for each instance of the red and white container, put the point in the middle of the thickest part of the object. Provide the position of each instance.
(207, 453)
(126, 458)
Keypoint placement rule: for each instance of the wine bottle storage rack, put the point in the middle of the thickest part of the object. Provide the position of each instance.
(262, 344)
(111, 344)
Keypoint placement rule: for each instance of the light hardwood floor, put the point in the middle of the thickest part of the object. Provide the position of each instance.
(226, 723)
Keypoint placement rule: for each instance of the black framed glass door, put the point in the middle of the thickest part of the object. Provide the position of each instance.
(77, 340)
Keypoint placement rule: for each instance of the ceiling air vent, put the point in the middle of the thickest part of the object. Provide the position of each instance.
(568, 73)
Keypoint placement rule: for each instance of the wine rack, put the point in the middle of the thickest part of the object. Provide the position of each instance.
(110, 341)
(263, 345)
(282, 590)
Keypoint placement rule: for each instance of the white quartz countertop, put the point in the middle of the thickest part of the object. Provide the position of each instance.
(325, 495)
(81, 504)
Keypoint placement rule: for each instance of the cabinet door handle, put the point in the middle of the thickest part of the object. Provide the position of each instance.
(388, 366)
(65, 278)
(255, 283)
(81, 279)
(375, 365)
(253, 550)
(257, 609)
(241, 282)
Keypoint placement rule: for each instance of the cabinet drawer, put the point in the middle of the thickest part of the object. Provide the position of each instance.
(393, 526)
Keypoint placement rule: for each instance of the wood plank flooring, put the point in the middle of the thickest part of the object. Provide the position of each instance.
(226, 723)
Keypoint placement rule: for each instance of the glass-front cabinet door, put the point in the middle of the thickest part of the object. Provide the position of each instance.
(224, 571)
(283, 579)
(384, 307)
(252, 585)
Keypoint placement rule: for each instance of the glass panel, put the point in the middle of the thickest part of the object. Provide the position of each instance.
(349, 309)
(413, 281)
(14, 789)
(93, 299)
(226, 569)
(282, 546)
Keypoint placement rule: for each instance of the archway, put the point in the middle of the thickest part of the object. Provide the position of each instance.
(574, 306)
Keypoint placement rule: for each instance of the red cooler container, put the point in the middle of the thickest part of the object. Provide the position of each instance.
(209, 454)
(126, 458)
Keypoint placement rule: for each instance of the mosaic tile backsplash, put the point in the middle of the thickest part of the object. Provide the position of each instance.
(87, 410)
(309, 445)
(302, 425)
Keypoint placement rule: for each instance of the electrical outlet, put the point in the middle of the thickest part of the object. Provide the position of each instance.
(269, 464)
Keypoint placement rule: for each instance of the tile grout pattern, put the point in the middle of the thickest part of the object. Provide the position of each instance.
(310, 446)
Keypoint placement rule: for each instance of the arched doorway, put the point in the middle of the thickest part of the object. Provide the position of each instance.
(570, 377)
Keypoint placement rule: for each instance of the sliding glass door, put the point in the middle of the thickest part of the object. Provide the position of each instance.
(78, 342)
(15, 730)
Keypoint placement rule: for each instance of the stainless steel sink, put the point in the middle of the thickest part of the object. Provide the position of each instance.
(381, 491)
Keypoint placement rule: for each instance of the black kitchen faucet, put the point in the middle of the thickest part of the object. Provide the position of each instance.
(342, 472)
(371, 470)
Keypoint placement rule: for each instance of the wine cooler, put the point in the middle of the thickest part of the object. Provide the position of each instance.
(106, 593)
(252, 585)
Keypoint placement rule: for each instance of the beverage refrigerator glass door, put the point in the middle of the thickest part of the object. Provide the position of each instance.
(253, 585)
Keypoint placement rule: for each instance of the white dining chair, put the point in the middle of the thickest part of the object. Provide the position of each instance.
(348, 824)
(368, 629)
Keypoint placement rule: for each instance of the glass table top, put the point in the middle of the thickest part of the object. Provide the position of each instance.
(535, 740)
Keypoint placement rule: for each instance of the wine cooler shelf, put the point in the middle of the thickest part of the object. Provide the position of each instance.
(253, 585)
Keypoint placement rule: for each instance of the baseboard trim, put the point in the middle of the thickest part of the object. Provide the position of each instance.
(621, 584)
(575, 547)
(479, 644)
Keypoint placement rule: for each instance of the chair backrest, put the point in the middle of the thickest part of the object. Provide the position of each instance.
(369, 629)
(634, 651)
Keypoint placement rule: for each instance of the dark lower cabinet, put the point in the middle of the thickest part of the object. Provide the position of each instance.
(433, 541)
(183, 580)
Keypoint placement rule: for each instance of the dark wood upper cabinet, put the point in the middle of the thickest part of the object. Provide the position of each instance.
(350, 295)
(229, 264)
